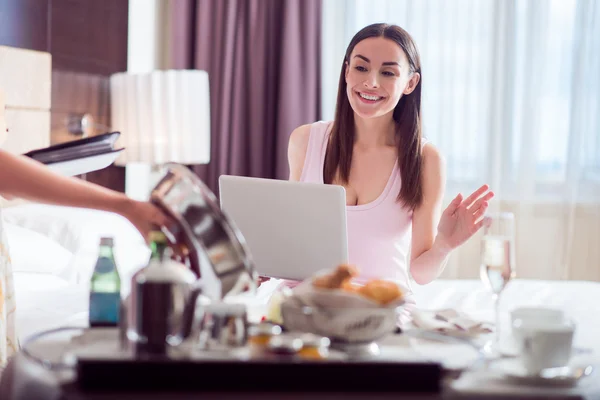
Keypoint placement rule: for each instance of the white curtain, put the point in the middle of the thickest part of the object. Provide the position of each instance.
(511, 97)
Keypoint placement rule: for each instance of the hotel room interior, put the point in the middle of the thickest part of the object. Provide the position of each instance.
(511, 98)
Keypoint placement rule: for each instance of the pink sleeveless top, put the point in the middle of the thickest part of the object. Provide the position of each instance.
(379, 233)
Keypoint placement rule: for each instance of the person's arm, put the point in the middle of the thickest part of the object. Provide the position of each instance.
(30, 180)
(428, 257)
(435, 233)
(297, 147)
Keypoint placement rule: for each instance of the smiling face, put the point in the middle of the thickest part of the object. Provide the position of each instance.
(377, 75)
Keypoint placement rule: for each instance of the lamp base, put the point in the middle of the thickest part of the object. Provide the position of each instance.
(140, 179)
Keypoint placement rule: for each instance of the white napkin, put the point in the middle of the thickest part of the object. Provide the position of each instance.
(449, 321)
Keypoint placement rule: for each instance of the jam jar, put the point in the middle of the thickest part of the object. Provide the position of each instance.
(286, 345)
(314, 347)
(260, 334)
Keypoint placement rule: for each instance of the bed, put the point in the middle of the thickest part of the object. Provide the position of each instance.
(54, 250)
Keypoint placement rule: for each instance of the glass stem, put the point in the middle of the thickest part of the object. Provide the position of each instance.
(497, 315)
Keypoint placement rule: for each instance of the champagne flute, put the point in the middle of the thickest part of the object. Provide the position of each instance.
(497, 266)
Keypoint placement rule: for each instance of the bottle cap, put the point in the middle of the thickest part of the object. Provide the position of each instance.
(157, 236)
(106, 241)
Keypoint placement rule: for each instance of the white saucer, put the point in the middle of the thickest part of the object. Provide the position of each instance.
(513, 370)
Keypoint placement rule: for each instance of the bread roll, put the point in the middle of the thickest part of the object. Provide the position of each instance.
(351, 287)
(343, 273)
(381, 291)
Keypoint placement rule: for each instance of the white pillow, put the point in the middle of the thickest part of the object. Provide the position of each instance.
(76, 229)
(33, 252)
(129, 258)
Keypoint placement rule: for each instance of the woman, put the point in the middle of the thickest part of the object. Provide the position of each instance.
(394, 179)
(24, 178)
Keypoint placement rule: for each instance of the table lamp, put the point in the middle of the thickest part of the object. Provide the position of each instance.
(163, 116)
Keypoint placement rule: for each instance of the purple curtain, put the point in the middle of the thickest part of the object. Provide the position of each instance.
(263, 60)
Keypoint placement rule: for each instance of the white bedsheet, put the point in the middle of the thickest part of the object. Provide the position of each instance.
(77, 231)
(46, 300)
(579, 299)
(54, 251)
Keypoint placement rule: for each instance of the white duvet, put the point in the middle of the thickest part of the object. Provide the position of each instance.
(54, 250)
(64, 241)
(46, 302)
(579, 299)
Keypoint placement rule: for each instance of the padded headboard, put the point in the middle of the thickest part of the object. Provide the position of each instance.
(25, 81)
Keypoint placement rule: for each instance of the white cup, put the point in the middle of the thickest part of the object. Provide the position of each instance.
(530, 315)
(544, 344)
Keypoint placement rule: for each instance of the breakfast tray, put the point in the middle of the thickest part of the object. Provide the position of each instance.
(97, 375)
(102, 365)
(99, 363)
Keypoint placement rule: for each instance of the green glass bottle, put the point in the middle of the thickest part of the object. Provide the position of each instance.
(105, 288)
(158, 245)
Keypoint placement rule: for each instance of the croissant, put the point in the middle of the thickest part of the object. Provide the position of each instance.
(343, 273)
(381, 291)
(378, 290)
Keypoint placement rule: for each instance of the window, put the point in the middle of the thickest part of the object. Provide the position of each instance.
(511, 89)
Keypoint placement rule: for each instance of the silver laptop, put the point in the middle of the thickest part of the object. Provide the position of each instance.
(293, 229)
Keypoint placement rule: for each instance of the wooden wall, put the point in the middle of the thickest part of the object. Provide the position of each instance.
(88, 42)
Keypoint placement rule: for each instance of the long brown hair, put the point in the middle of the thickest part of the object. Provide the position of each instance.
(407, 118)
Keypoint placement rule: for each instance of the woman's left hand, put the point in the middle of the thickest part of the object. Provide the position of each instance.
(463, 218)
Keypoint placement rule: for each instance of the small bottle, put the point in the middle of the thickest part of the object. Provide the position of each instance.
(162, 249)
(158, 245)
(285, 344)
(314, 347)
(105, 288)
(261, 333)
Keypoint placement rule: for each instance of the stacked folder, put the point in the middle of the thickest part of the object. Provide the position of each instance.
(79, 156)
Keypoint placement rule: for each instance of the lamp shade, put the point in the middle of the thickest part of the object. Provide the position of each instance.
(163, 116)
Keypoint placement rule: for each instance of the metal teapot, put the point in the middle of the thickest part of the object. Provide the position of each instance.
(213, 262)
(160, 308)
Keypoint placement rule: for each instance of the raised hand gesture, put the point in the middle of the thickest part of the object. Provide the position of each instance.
(463, 218)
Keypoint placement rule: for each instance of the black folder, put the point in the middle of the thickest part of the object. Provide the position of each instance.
(76, 149)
